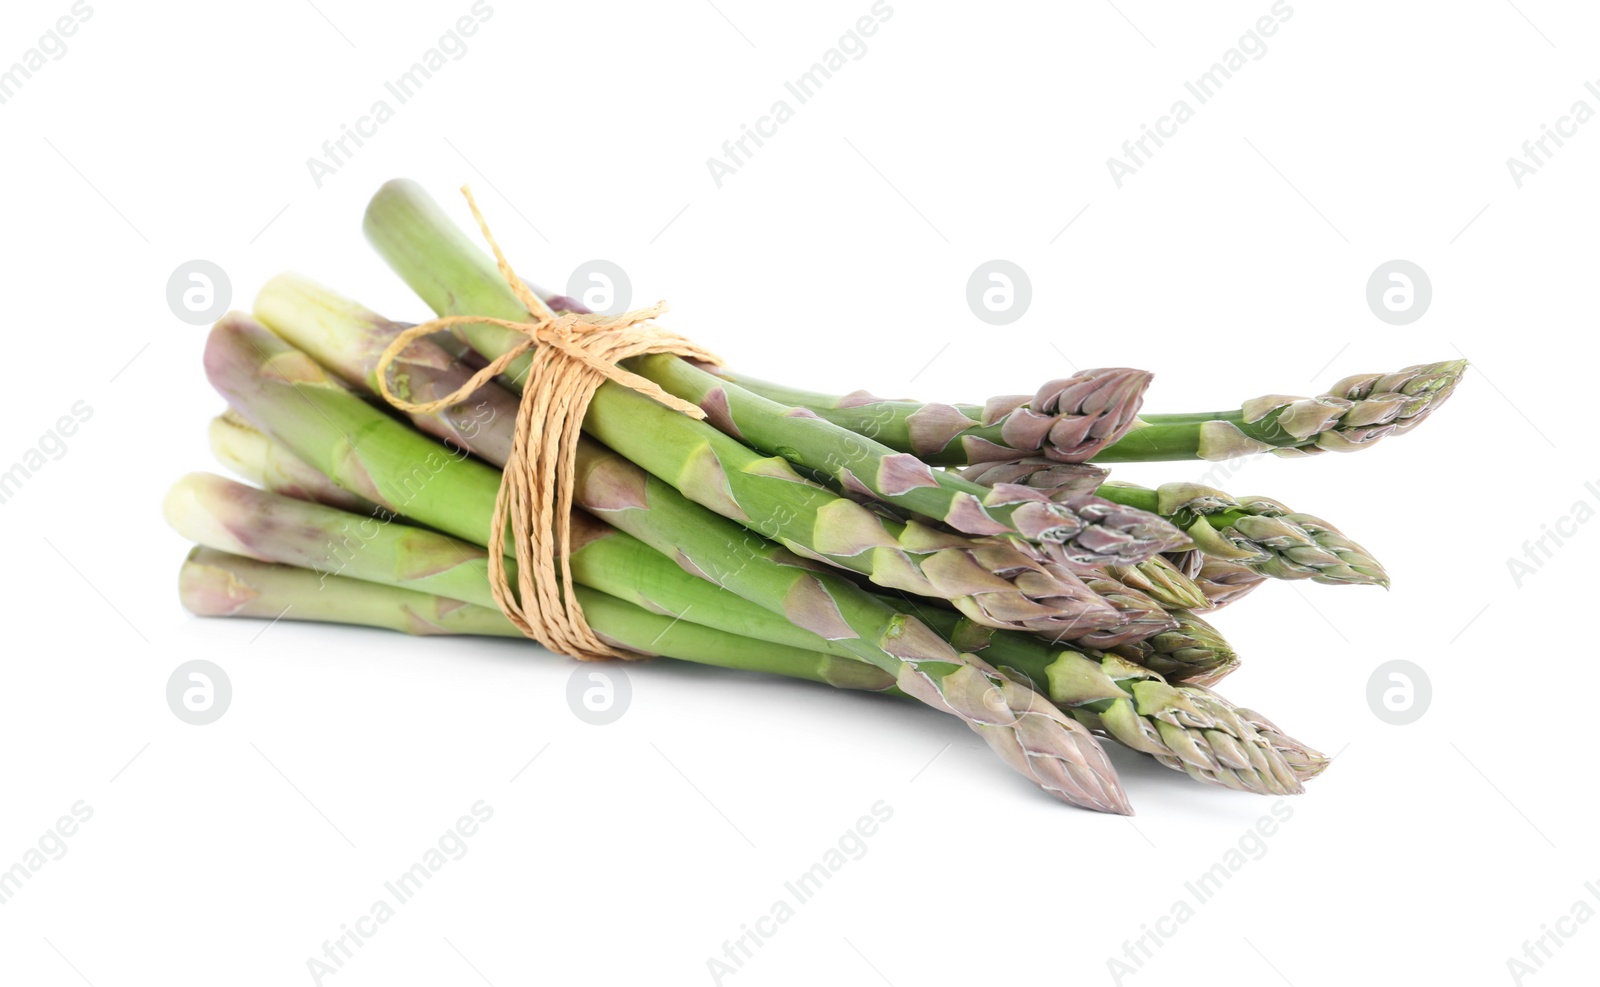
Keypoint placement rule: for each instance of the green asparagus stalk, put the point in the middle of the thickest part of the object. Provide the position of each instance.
(285, 393)
(1068, 420)
(282, 390)
(230, 517)
(1354, 414)
(216, 584)
(348, 339)
(340, 547)
(993, 579)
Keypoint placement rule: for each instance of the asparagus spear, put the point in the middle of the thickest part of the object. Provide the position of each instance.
(240, 520)
(454, 277)
(1302, 760)
(1185, 726)
(217, 584)
(1067, 420)
(283, 391)
(1151, 717)
(1354, 414)
(1253, 531)
(1257, 532)
(993, 579)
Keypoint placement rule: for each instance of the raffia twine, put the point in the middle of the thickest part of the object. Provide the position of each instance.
(570, 357)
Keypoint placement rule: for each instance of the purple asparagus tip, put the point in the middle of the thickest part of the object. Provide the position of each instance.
(1091, 410)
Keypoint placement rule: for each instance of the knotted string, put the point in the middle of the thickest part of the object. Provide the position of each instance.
(570, 356)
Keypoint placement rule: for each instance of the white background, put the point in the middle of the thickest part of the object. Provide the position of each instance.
(1233, 264)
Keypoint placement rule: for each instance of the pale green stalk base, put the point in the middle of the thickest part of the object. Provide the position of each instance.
(216, 584)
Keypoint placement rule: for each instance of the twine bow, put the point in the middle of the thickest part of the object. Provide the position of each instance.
(569, 357)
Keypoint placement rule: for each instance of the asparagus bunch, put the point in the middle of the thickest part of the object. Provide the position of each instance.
(791, 533)
(276, 386)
